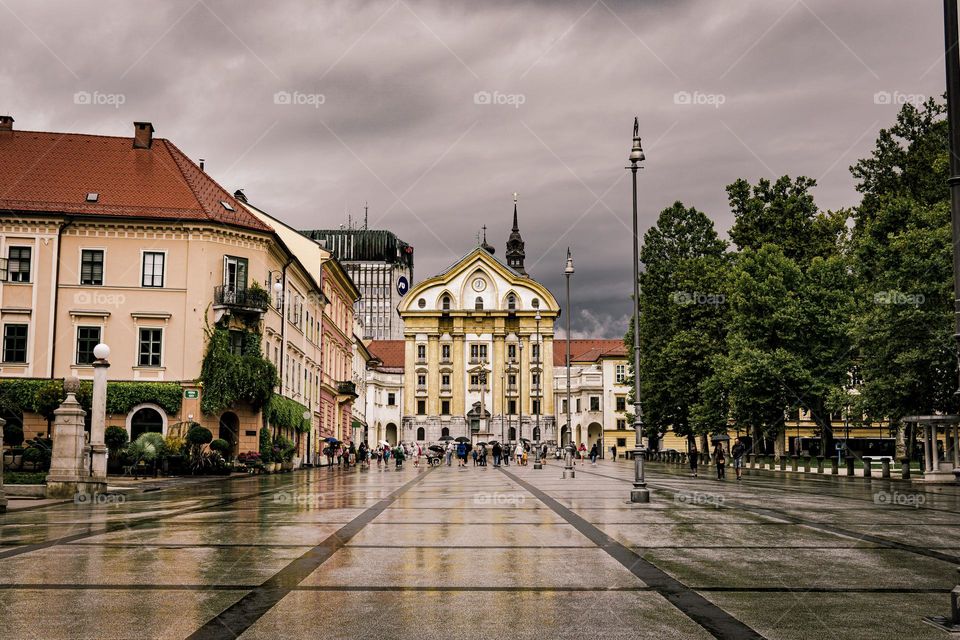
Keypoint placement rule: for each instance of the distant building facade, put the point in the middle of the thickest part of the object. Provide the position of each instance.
(381, 265)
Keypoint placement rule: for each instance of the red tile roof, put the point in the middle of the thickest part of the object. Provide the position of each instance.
(54, 172)
(390, 352)
(586, 350)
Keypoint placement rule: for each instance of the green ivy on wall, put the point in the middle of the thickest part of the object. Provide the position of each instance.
(288, 414)
(43, 396)
(229, 379)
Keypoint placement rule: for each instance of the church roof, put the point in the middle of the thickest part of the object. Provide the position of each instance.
(587, 350)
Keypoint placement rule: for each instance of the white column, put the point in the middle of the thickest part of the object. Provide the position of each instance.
(98, 420)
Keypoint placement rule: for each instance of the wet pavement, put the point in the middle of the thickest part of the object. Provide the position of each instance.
(482, 552)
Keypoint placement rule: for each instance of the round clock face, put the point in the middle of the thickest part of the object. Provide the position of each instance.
(479, 284)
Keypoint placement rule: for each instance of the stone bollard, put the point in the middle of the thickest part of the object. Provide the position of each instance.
(3, 496)
(783, 463)
(905, 468)
(794, 463)
(819, 464)
(834, 466)
(849, 465)
(885, 468)
(806, 464)
(867, 467)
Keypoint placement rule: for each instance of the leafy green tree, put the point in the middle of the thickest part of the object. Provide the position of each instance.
(903, 264)
(682, 318)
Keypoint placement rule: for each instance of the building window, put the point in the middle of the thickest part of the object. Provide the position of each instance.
(421, 434)
(512, 351)
(421, 380)
(621, 424)
(512, 380)
(445, 380)
(621, 403)
(536, 407)
(445, 303)
(421, 407)
(621, 373)
(479, 304)
(535, 353)
(578, 405)
(15, 343)
(512, 407)
(444, 432)
(391, 399)
(87, 339)
(445, 352)
(421, 352)
(445, 408)
(478, 352)
(236, 343)
(563, 403)
(621, 442)
(536, 303)
(512, 302)
(421, 303)
(151, 343)
(18, 264)
(91, 267)
(153, 266)
(535, 381)
(474, 380)
(594, 403)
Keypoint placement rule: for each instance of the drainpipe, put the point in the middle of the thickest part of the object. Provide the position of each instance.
(56, 301)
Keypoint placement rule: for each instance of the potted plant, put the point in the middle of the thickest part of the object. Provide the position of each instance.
(115, 438)
(172, 460)
(197, 437)
(146, 450)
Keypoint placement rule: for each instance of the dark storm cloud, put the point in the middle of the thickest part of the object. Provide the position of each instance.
(391, 108)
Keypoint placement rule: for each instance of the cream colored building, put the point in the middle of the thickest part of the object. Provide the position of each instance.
(477, 361)
(126, 241)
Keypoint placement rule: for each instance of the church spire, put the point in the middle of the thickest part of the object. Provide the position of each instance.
(515, 254)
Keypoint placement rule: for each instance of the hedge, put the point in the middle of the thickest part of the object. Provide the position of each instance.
(42, 396)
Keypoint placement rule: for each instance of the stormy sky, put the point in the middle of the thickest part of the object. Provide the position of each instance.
(436, 112)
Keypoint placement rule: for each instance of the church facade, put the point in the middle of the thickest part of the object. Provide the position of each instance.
(478, 352)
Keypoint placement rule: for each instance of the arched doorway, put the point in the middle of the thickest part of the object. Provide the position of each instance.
(391, 434)
(145, 420)
(421, 434)
(230, 431)
(445, 432)
(595, 436)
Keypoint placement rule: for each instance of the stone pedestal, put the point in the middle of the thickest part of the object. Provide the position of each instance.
(867, 467)
(849, 465)
(3, 496)
(69, 467)
(905, 468)
(806, 463)
(819, 464)
(834, 466)
(884, 468)
(794, 463)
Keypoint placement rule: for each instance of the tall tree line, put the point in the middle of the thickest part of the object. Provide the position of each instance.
(842, 313)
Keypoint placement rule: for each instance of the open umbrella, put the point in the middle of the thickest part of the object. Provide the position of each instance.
(524, 440)
(332, 440)
(385, 443)
(446, 438)
(720, 437)
(481, 444)
(435, 447)
(462, 439)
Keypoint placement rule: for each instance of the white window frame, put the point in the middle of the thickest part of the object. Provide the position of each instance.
(163, 342)
(143, 265)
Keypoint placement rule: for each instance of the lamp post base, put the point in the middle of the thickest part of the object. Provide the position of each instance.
(538, 465)
(640, 495)
(569, 473)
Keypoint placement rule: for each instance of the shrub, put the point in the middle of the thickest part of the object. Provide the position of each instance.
(147, 447)
(286, 413)
(198, 435)
(221, 446)
(173, 445)
(266, 446)
(13, 435)
(24, 477)
(115, 438)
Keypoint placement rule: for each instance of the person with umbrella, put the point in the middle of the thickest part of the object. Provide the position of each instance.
(497, 453)
(462, 453)
(362, 454)
(399, 455)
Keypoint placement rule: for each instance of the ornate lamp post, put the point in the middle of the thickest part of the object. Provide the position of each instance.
(98, 417)
(639, 493)
(537, 464)
(520, 395)
(568, 471)
(306, 418)
(3, 497)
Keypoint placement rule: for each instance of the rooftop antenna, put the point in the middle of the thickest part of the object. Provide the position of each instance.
(366, 211)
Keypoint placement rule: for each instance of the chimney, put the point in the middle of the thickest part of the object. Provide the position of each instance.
(142, 135)
(240, 195)
(201, 164)
(6, 123)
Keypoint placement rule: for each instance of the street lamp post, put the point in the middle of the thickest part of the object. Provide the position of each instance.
(537, 464)
(639, 493)
(503, 404)
(520, 395)
(568, 471)
(306, 418)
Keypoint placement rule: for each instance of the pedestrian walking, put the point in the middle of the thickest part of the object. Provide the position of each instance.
(694, 456)
(352, 458)
(613, 452)
(362, 454)
(737, 454)
(519, 453)
(582, 451)
(497, 454)
(449, 454)
(594, 454)
(476, 457)
(399, 455)
(462, 454)
(720, 459)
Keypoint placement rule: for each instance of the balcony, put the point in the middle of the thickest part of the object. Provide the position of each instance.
(347, 388)
(254, 299)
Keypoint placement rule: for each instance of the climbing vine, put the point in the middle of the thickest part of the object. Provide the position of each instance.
(288, 414)
(229, 379)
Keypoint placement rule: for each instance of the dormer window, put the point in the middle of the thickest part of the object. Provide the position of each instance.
(226, 205)
(479, 304)
(93, 196)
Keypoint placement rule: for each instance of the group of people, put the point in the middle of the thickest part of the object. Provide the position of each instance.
(720, 459)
